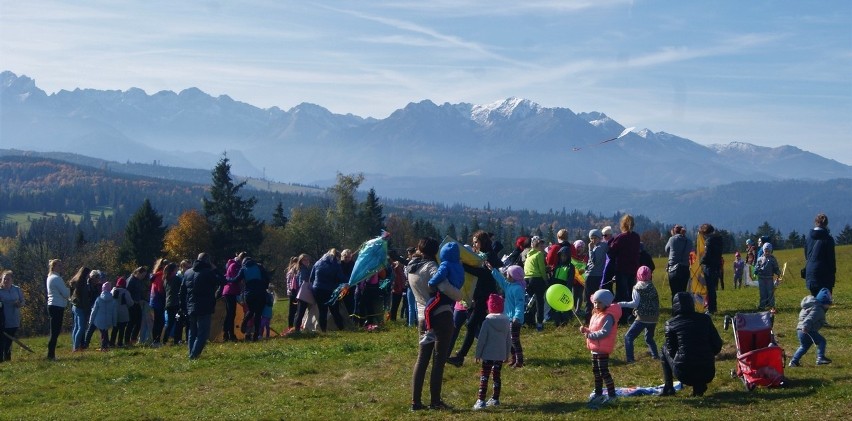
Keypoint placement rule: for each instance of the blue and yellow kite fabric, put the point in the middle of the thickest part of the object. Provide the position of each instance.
(470, 258)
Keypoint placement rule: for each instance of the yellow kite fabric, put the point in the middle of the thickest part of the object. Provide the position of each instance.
(697, 286)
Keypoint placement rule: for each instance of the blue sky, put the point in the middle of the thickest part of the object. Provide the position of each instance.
(764, 72)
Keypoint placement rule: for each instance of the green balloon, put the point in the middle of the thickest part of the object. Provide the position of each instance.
(560, 297)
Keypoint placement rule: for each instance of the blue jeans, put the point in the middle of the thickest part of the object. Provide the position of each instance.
(412, 308)
(767, 293)
(633, 333)
(81, 324)
(199, 331)
(805, 342)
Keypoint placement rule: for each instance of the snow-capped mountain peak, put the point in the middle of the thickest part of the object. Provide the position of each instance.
(508, 109)
(645, 133)
(735, 147)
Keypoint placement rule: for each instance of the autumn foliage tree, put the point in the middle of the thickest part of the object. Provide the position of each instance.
(188, 237)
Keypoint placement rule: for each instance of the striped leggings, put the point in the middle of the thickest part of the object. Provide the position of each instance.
(517, 350)
(600, 368)
(490, 367)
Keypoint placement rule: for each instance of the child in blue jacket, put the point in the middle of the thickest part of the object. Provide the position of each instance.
(450, 270)
(514, 307)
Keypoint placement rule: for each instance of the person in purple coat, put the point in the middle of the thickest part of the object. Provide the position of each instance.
(624, 253)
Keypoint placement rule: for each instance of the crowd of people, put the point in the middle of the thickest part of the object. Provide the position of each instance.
(611, 277)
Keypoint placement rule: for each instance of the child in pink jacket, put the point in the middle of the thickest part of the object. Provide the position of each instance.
(600, 339)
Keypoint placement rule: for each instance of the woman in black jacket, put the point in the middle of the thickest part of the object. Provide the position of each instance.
(692, 343)
(485, 286)
(820, 261)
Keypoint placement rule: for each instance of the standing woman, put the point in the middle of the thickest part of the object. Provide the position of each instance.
(136, 284)
(81, 307)
(326, 276)
(820, 261)
(171, 283)
(421, 268)
(57, 298)
(305, 293)
(678, 248)
(624, 251)
(485, 286)
(11, 299)
(157, 300)
(292, 291)
(231, 292)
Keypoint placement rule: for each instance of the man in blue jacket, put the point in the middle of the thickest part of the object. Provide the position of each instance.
(198, 300)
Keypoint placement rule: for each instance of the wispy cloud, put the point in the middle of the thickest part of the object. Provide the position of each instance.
(448, 41)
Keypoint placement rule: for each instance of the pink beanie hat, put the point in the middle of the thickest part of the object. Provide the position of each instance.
(643, 274)
(495, 303)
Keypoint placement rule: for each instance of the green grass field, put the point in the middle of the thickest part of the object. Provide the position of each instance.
(366, 376)
(23, 218)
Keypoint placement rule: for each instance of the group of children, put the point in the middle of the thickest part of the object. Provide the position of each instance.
(499, 338)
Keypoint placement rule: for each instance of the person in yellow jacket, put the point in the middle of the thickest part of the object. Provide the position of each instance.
(535, 273)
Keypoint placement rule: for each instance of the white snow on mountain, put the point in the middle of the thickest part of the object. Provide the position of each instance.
(509, 109)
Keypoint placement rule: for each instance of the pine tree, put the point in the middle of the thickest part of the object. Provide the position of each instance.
(845, 236)
(143, 236)
(278, 218)
(794, 240)
(372, 220)
(343, 217)
(233, 226)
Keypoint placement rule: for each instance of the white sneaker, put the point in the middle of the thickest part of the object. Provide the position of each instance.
(492, 402)
(480, 404)
(427, 338)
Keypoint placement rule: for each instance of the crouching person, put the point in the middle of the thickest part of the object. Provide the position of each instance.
(692, 343)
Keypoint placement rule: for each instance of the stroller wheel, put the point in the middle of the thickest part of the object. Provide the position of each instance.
(751, 386)
(727, 323)
(733, 373)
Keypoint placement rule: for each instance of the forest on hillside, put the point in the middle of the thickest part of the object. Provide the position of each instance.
(150, 218)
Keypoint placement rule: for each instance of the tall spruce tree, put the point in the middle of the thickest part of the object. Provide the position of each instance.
(278, 218)
(845, 236)
(233, 225)
(372, 219)
(143, 236)
(343, 216)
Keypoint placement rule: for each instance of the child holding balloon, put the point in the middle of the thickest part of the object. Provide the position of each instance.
(600, 339)
(513, 307)
(646, 305)
(563, 274)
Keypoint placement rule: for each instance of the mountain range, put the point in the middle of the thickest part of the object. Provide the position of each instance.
(511, 153)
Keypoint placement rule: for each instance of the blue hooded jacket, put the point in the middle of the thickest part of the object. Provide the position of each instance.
(450, 267)
(327, 274)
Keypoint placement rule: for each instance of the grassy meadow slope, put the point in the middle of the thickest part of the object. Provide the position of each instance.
(360, 375)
